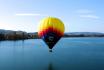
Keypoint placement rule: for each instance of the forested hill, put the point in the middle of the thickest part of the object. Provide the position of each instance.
(21, 35)
(16, 35)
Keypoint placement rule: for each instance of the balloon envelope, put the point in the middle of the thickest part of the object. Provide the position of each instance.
(51, 29)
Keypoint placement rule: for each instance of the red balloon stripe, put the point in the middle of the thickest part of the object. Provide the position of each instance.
(50, 29)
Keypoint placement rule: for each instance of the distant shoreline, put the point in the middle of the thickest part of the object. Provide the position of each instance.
(21, 35)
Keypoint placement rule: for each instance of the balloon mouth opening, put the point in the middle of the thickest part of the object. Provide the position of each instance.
(50, 50)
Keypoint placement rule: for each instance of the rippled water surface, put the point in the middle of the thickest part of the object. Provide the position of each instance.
(68, 54)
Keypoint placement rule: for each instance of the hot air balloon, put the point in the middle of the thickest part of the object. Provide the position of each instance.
(51, 29)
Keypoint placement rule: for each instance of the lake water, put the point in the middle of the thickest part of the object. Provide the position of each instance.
(68, 54)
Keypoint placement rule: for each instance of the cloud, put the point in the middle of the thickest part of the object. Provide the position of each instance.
(89, 16)
(84, 11)
(28, 14)
(7, 26)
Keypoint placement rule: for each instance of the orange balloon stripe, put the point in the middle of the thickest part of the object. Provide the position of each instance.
(50, 29)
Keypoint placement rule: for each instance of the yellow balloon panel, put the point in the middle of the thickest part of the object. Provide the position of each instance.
(51, 23)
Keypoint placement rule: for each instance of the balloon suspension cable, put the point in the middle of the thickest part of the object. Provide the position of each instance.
(50, 50)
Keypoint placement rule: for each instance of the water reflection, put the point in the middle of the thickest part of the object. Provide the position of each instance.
(50, 66)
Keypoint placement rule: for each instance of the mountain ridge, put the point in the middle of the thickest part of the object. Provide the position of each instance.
(21, 35)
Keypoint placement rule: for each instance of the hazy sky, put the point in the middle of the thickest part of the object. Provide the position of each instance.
(77, 15)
